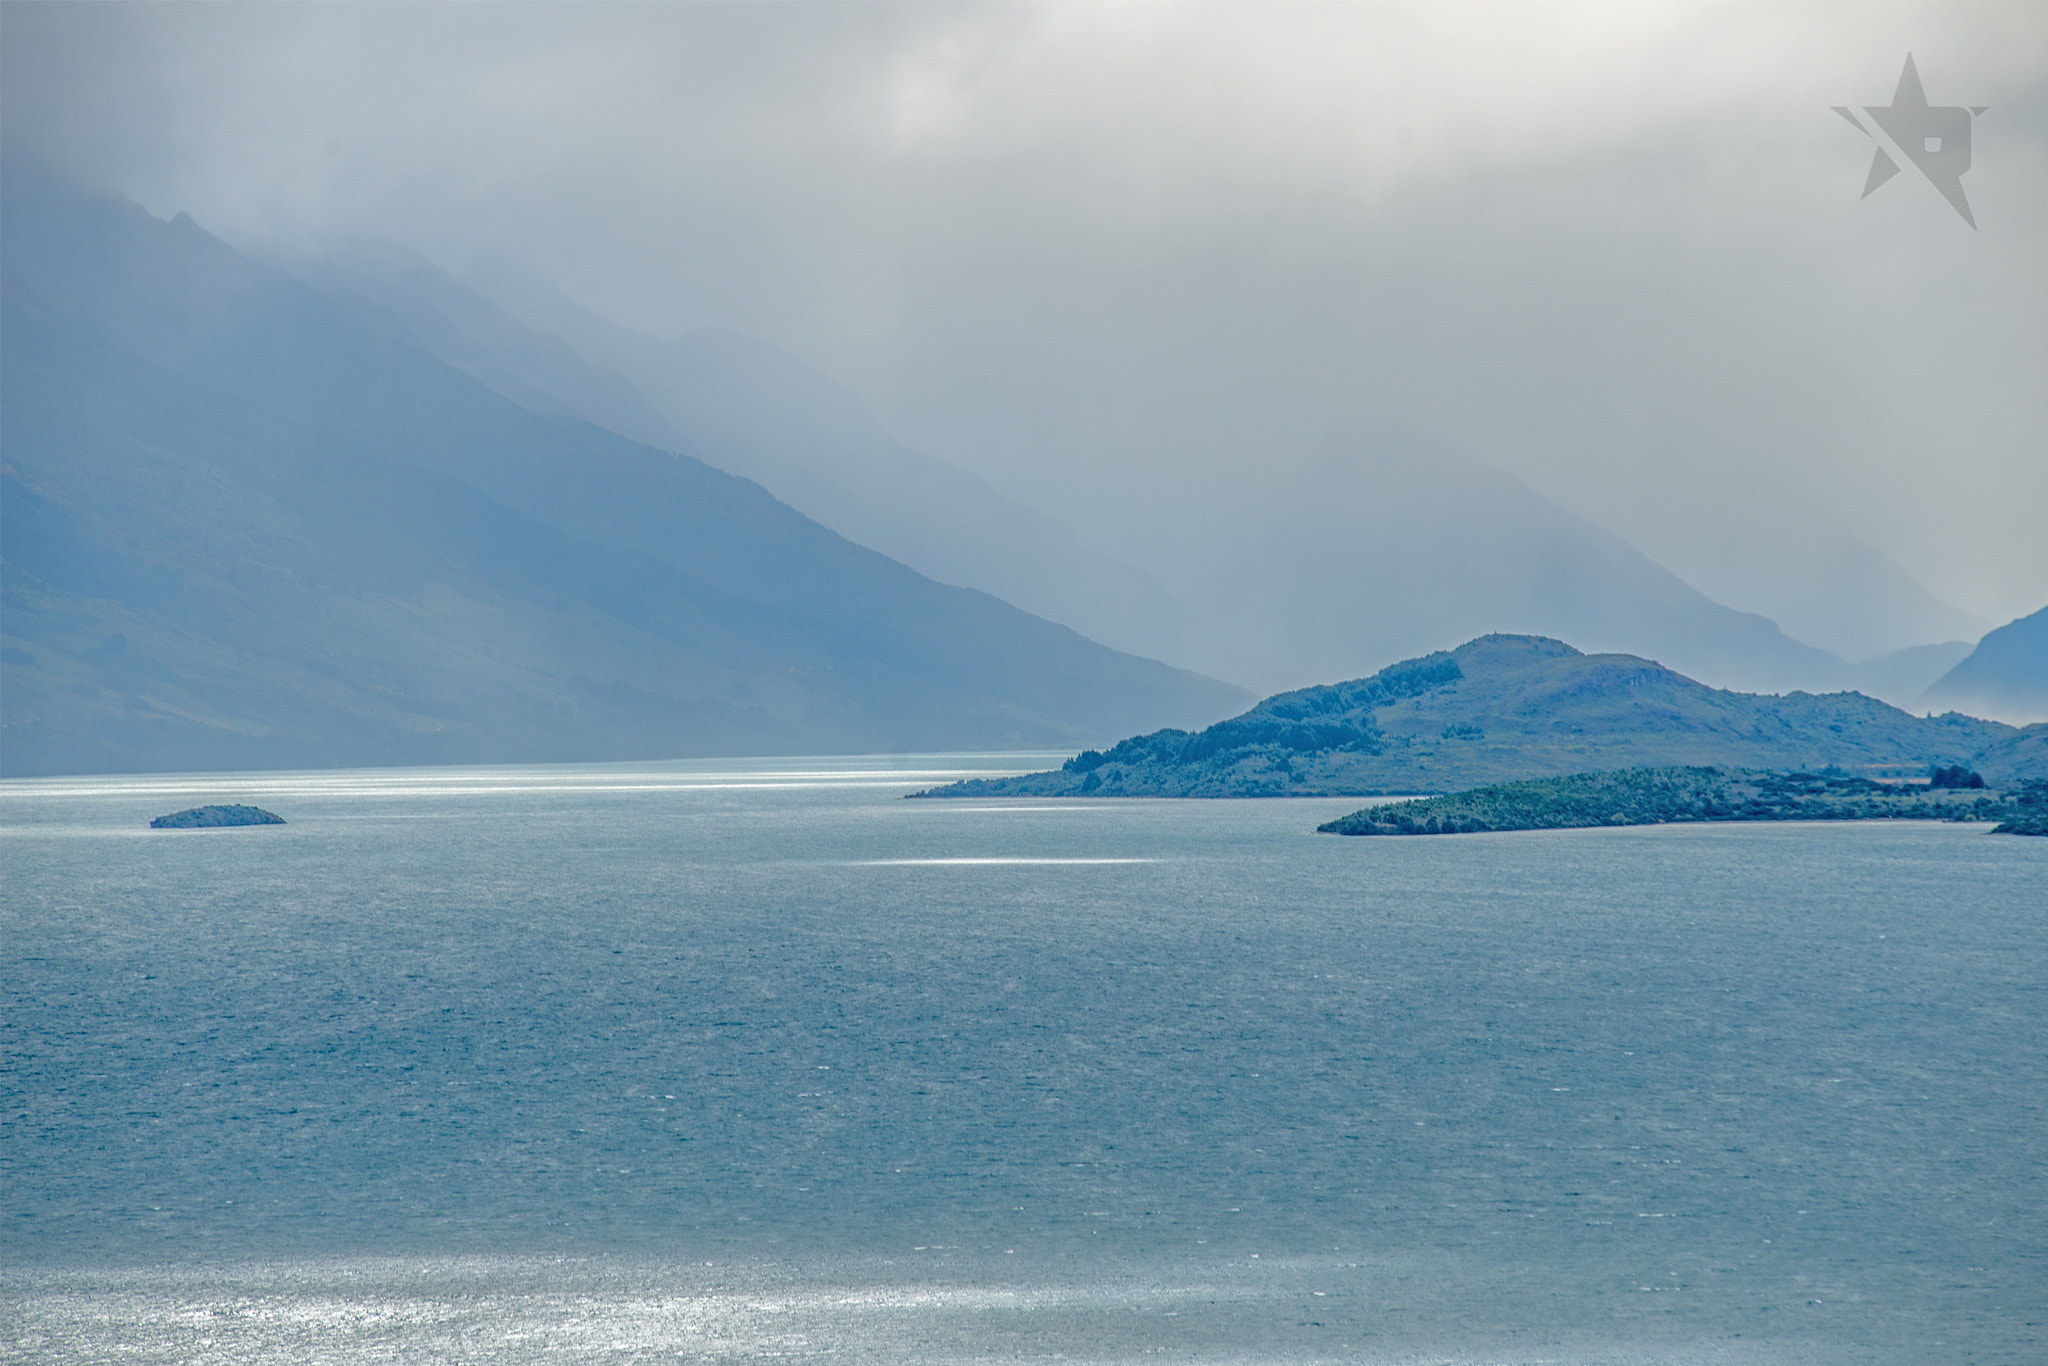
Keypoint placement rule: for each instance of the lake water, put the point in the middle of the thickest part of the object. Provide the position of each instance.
(729, 1061)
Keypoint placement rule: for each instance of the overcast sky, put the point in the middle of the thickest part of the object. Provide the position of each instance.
(1122, 259)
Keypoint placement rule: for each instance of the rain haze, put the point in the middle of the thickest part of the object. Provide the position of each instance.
(1249, 299)
(884, 683)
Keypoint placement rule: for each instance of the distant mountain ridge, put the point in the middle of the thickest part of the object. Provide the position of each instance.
(1825, 584)
(1296, 584)
(1291, 587)
(247, 526)
(1504, 708)
(1392, 544)
(2005, 676)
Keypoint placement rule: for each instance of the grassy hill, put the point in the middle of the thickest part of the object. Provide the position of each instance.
(1502, 708)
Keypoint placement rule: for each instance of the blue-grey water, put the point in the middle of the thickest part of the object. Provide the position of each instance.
(734, 1061)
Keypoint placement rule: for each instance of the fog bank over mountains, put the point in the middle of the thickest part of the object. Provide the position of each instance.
(1126, 262)
(360, 514)
(749, 408)
(249, 525)
(1388, 545)
(784, 376)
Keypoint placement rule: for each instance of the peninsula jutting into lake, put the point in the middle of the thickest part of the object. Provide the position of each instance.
(1503, 708)
(1664, 796)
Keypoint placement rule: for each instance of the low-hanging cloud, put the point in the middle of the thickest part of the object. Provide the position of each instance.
(1131, 261)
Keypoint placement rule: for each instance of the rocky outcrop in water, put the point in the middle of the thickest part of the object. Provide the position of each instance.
(208, 817)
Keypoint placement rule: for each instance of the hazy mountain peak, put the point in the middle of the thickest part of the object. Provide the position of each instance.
(2006, 676)
(1386, 542)
(1826, 585)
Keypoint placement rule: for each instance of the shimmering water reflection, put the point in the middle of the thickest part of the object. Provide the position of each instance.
(657, 1062)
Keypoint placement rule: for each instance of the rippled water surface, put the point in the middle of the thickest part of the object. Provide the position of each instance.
(729, 1061)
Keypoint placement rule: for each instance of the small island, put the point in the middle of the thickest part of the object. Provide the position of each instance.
(210, 817)
(1662, 796)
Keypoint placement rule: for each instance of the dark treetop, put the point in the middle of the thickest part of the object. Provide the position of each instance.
(1502, 708)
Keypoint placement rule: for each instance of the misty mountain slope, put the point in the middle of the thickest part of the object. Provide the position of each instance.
(1390, 544)
(2005, 676)
(1504, 708)
(759, 411)
(193, 584)
(246, 527)
(432, 310)
(747, 407)
(1822, 584)
(1901, 677)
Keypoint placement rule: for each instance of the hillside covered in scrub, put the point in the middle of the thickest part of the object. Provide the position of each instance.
(1662, 796)
(1503, 708)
